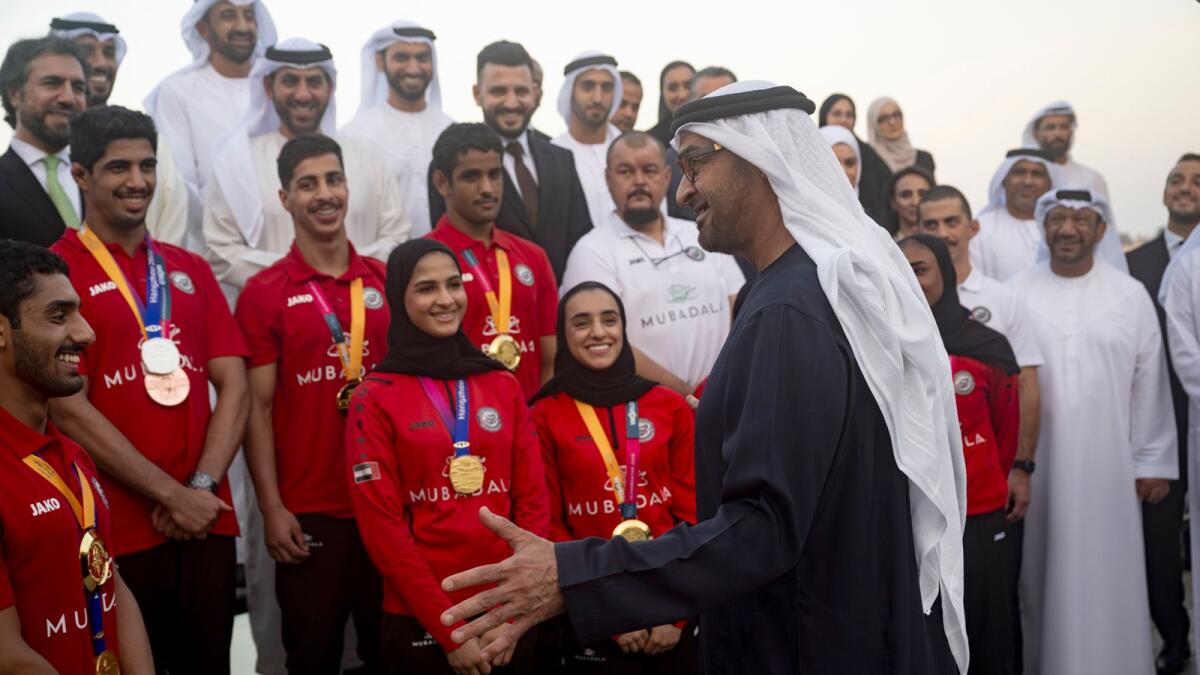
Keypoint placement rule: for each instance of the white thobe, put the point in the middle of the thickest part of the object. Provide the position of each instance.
(375, 220)
(1107, 420)
(406, 139)
(1006, 245)
(590, 161)
(995, 305)
(1075, 176)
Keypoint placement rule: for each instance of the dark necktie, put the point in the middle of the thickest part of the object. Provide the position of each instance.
(529, 188)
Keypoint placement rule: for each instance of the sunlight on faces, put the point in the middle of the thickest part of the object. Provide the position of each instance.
(435, 299)
(230, 31)
(848, 161)
(721, 194)
(1053, 134)
(592, 97)
(1182, 193)
(841, 114)
(891, 121)
(1026, 181)
(507, 96)
(1072, 234)
(474, 188)
(631, 102)
(925, 267)
(594, 330)
(675, 86)
(408, 67)
(120, 185)
(638, 180)
(906, 196)
(101, 58)
(301, 96)
(54, 91)
(317, 196)
(43, 345)
(947, 220)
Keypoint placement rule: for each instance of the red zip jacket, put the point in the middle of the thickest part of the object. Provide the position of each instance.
(417, 530)
(989, 416)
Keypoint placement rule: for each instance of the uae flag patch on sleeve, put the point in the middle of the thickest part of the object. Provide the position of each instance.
(367, 471)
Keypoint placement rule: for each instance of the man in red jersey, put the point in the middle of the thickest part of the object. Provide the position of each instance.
(512, 297)
(164, 333)
(50, 501)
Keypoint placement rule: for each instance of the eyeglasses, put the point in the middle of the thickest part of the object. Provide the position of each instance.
(690, 163)
(890, 117)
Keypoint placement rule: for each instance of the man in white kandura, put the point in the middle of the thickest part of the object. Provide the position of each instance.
(590, 96)
(1053, 130)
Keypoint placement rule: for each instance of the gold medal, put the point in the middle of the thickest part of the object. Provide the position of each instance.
(632, 530)
(466, 474)
(168, 390)
(94, 561)
(106, 664)
(343, 396)
(505, 350)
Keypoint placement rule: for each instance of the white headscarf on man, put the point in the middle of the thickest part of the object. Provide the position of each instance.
(374, 81)
(997, 197)
(75, 24)
(583, 62)
(1055, 108)
(1109, 249)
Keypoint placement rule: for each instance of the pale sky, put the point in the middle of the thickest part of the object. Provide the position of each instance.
(967, 73)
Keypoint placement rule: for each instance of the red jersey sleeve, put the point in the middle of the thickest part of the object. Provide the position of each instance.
(683, 463)
(547, 298)
(376, 486)
(224, 336)
(259, 325)
(558, 511)
(1004, 407)
(531, 507)
(7, 597)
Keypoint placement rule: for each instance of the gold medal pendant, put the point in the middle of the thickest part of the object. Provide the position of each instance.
(466, 474)
(94, 561)
(168, 390)
(343, 396)
(505, 350)
(106, 664)
(632, 530)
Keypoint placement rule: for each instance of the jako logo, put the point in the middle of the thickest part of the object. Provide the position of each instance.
(99, 288)
(299, 299)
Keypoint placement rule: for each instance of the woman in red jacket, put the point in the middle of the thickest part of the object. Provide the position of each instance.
(620, 462)
(985, 384)
(437, 431)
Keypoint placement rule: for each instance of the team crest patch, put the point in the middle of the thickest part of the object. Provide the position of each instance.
(183, 282)
(524, 274)
(645, 430)
(694, 252)
(964, 383)
(981, 314)
(488, 418)
(365, 472)
(372, 298)
(100, 491)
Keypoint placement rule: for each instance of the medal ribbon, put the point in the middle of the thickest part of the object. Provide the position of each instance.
(623, 487)
(502, 307)
(352, 356)
(457, 422)
(155, 315)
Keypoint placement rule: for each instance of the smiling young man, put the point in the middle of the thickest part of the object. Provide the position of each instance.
(164, 332)
(50, 499)
(513, 297)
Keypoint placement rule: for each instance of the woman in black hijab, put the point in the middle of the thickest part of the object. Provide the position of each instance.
(839, 109)
(602, 429)
(435, 432)
(985, 386)
(674, 84)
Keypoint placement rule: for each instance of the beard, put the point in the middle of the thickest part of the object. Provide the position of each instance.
(235, 53)
(639, 217)
(1184, 216)
(1056, 149)
(286, 118)
(30, 365)
(397, 86)
(35, 121)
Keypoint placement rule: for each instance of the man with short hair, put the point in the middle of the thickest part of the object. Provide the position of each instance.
(710, 79)
(198, 104)
(51, 503)
(590, 96)
(43, 83)
(164, 333)
(1009, 237)
(631, 101)
(1053, 130)
(401, 110)
(1161, 522)
(1109, 430)
(678, 298)
(104, 50)
(246, 228)
(543, 201)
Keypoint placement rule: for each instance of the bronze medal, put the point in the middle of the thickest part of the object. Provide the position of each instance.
(466, 474)
(168, 390)
(343, 397)
(94, 561)
(632, 530)
(106, 664)
(505, 350)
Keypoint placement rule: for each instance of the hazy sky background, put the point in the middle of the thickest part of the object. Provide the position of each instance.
(967, 73)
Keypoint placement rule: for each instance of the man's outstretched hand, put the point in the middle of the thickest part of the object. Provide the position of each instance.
(526, 591)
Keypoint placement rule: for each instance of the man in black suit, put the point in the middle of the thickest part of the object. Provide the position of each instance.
(43, 83)
(543, 200)
(1162, 522)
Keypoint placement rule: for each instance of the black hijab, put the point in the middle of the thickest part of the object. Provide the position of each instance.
(615, 385)
(823, 113)
(412, 351)
(963, 335)
(662, 130)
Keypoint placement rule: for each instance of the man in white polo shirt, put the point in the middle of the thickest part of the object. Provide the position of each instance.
(678, 297)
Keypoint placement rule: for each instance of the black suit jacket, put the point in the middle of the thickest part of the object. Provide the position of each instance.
(26, 212)
(1147, 264)
(562, 207)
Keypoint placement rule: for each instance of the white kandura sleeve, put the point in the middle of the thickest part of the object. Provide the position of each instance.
(233, 260)
(1183, 332)
(167, 217)
(393, 224)
(1152, 432)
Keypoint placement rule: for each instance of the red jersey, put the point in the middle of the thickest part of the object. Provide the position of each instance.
(582, 503)
(283, 325)
(989, 417)
(202, 328)
(39, 547)
(534, 295)
(417, 529)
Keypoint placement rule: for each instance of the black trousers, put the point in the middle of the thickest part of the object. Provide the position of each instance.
(989, 592)
(1162, 526)
(1016, 534)
(408, 649)
(185, 590)
(606, 658)
(316, 598)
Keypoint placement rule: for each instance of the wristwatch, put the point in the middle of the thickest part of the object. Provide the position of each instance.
(1025, 465)
(202, 481)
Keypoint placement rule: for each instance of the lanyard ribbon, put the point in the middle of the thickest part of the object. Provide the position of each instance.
(154, 316)
(624, 487)
(501, 307)
(457, 422)
(352, 356)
